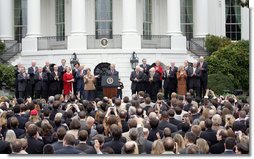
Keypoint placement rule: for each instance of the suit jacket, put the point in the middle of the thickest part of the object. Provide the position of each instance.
(79, 78)
(170, 80)
(22, 82)
(34, 146)
(5, 147)
(165, 124)
(116, 145)
(194, 80)
(174, 121)
(115, 73)
(57, 145)
(31, 73)
(152, 134)
(61, 69)
(154, 85)
(55, 83)
(68, 150)
(218, 148)
(210, 136)
(41, 83)
(83, 147)
(145, 68)
(19, 132)
(203, 70)
(137, 85)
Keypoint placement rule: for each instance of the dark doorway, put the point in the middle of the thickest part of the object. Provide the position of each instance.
(101, 69)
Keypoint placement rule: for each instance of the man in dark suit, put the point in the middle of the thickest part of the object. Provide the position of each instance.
(219, 147)
(47, 69)
(41, 84)
(5, 147)
(154, 84)
(172, 120)
(17, 70)
(82, 136)
(34, 144)
(194, 81)
(230, 143)
(170, 80)
(14, 126)
(112, 71)
(115, 143)
(61, 132)
(55, 82)
(209, 135)
(136, 80)
(22, 83)
(22, 120)
(68, 146)
(165, 123)
(145, 68)
(203, 67)
(154, 123)
(31, 71)
(75, 71)
(79, 78)
(62, 70)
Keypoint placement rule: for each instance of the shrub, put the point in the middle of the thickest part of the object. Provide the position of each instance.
(214, 43)
(232, 61)
(2, 47)
(7, 75)
(218, 82)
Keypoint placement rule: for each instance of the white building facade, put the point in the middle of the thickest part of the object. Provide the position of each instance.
(51, 30)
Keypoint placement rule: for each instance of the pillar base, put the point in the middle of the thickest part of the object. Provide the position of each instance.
(178, 42)
(131, 41)
(77, 42)
(29, 44)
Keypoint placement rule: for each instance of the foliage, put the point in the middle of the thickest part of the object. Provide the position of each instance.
(2, 47)
(218, 82)
(7, 75)
(214, 43)
(232, 61)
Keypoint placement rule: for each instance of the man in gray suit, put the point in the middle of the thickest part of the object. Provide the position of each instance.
(22, 82)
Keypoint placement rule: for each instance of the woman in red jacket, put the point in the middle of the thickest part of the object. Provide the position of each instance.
(67, 82)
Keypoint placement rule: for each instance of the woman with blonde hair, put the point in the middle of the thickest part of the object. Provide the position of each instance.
(89, 81)
(157, 147)
(181, 81)
(10, 136)
(202, 146)
(180, 142)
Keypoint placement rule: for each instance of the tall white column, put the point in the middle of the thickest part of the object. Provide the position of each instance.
(6, 20)
(78, 25)
(174, 17)
(130, 38)
(78, 40)
(200, 18)
(33, 18)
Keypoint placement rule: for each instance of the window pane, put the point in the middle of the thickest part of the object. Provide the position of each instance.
(187, 18)
(60, 22)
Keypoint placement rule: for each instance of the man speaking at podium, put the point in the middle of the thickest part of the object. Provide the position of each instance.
(112, 71)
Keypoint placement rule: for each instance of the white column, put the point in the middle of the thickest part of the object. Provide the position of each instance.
(78, 40)
(6, 20)
(33, 18)
(130, 38)
(78, 25)
(174, 17)
(200, 18)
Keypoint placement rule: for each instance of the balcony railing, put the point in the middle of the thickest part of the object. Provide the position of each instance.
(104, 42)
(155, 42)
(52, 43)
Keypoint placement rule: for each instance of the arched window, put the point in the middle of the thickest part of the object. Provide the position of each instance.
(187, 18)
(20, 19)
(233, 20)
(103, 19)
(147, 19)
(60, 23)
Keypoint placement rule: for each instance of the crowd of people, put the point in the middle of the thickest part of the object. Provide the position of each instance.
(56, 112)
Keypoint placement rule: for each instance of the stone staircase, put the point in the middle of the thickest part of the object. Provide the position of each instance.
(12, 51)
(196, 46)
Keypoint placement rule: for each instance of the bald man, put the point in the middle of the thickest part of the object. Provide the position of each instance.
(137, 78)
(203, 67)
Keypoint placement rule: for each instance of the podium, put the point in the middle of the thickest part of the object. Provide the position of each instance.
(109, 85)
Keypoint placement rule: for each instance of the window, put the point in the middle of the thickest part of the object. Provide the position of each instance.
(233, 20)
(147, 19)
(103, 19)
(60, 26)
(187, 18)
(20, 19)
